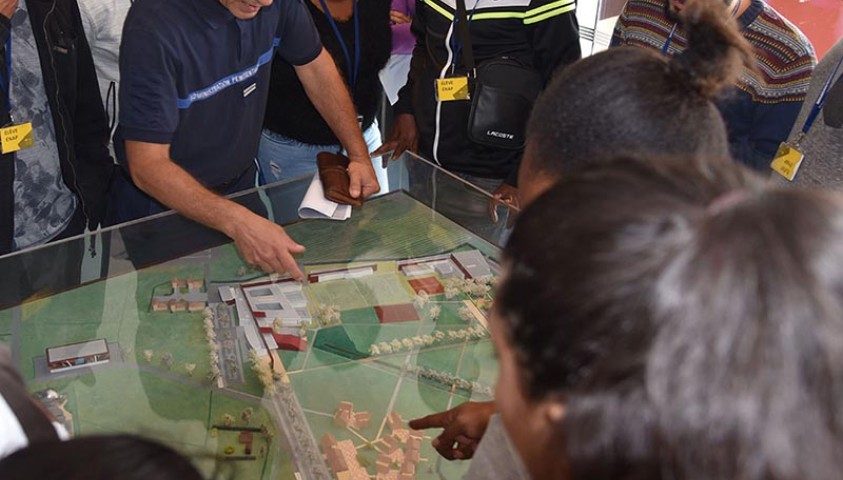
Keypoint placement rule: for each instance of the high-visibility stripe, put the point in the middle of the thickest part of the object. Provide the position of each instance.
(498, 15)
(549, 6)
(550, 14)
(440, 9)
(535, 15)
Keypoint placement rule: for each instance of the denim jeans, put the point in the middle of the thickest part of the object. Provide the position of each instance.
(282, 158)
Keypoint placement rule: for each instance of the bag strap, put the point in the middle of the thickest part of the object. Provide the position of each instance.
(465, 37)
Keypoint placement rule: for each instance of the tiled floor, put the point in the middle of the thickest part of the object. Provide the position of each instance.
(820, 20)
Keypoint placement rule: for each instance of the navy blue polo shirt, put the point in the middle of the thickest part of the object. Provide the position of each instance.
(195, 77)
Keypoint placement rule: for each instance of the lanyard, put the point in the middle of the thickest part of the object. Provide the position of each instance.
(6, 79)
(456, 44)
(818, 105)
(669, 38)
(673, 30)
(353, 68)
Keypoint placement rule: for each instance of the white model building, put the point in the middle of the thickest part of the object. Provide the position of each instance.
(77, 355)
(474, 263)
(269, 302)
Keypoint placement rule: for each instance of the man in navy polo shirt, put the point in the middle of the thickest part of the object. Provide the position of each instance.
(194, 84)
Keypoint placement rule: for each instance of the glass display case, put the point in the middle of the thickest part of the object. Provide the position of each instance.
(159, 328)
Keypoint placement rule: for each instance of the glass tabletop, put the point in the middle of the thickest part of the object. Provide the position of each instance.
(158, 327)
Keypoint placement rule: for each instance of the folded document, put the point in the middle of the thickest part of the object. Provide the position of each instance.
(315, 205)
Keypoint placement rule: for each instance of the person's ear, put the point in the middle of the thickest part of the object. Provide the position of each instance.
(554, 410)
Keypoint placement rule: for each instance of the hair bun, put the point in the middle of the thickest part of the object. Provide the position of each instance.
(716, 51)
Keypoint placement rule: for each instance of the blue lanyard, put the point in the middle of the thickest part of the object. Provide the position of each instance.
(6, 80)
(669, 39)
(456, 44)
(352, 68)
(818, 105)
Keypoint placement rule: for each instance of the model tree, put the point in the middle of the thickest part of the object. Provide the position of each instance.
(421, 299)
(466, 314)
(277, 325)
(246, 415)
(374, 350)
(167, 360)
(268, 436)
(227, 419)
(148, 355)
(434, 312)
(328, 315)
(263, 372)
(189, 368)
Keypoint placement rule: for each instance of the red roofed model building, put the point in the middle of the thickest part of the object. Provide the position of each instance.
(290, 342)
(397, 313)
(428, 284)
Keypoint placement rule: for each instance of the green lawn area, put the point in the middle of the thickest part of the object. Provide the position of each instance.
(369, 389)
(344, 294)
(293, 360)
(388, 289)
(73, 316)
(389, 227)
(335, 340)
(480, 363)
(130, 401)
(360, 316)
(5, 322)
(364, 336)
(450, 313)
(226, 264)
(180, 334)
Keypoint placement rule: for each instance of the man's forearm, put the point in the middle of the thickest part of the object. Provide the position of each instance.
(171, 185)
(327, 91)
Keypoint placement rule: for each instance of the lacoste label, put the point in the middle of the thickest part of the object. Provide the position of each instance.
(503, 135)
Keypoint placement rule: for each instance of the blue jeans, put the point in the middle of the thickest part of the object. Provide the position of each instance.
(282, 158)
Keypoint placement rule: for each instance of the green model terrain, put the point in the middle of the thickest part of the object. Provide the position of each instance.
(148, 387)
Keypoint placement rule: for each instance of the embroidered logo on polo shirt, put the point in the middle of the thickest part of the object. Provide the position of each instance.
(251, 88)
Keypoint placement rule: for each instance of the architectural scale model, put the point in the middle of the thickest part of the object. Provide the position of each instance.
(283, 379)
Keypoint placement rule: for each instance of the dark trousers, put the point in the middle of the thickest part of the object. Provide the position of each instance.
(45, 270)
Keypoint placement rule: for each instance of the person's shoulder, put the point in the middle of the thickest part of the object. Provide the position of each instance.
(775, 35)
(785, 59)
(645, 8)
(158, 15)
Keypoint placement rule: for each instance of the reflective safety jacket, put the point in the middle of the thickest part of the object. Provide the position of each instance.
(542, 34)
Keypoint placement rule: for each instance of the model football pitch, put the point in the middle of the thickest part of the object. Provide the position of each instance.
(156, 383)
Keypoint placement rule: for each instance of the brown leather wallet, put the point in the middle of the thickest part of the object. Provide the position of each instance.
(333, 172)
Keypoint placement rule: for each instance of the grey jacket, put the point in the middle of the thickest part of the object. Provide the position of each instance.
(496, 457)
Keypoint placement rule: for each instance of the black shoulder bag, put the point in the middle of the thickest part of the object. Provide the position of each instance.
(502, 95)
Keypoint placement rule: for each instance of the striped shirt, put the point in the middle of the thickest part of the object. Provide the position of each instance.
(762, 111)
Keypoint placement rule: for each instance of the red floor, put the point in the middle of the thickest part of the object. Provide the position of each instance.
(820, 20)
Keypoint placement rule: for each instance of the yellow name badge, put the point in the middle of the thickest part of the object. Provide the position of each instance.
(16, 137)
(787, 161)
(452, 89)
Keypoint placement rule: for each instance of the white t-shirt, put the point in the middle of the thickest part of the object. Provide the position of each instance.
(103, 22)
(12, 435)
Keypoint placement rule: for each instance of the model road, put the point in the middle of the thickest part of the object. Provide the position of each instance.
(292, 422)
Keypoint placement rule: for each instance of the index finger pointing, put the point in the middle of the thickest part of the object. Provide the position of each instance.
(435, 420)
